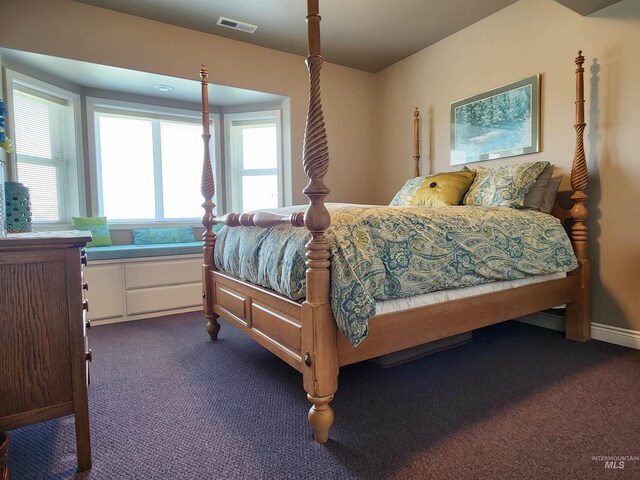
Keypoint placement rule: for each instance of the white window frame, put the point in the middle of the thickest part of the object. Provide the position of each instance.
(120, 108)
(75, 165)
(233, 157)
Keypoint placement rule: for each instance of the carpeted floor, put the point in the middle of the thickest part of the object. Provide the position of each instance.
(517, 402)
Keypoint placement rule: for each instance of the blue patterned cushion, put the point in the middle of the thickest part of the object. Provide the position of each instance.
(147, 236)
(186, 235)
(503, 186)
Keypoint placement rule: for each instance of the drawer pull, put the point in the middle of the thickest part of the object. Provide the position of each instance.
(83, 260)
(87, 324)
(85, 285)
(88, 356)
(85, 305)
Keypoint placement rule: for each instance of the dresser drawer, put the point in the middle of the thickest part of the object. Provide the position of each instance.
(156, 274)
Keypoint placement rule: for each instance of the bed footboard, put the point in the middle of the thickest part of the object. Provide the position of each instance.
(271, 320)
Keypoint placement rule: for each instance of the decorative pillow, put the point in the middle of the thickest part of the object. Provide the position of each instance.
(550, 193)
(442, 189)
(407, 191)
(98, 228)
(148, 236)
(504, 186)
(533, 199)
(186, 235)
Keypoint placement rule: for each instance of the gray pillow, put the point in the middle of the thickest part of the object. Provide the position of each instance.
(533, 199)
(549, 198)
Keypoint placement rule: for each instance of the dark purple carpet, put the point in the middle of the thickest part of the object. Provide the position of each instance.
(517, 402)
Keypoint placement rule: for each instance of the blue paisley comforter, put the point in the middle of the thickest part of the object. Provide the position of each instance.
(381, 253)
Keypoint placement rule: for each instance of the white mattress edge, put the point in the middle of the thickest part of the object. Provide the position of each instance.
(400, 304)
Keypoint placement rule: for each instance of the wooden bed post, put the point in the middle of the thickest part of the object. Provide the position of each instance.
(579, 312)
(416, 143)
(319, 343)
(207, 188)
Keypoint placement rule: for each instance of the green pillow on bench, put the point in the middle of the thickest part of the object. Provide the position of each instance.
(149, 236)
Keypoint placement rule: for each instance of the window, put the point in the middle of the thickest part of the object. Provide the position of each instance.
(148, 164)
(254, 161)
(43, 119)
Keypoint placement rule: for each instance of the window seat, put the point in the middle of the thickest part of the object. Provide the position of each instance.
(136, 251)
(132, 282)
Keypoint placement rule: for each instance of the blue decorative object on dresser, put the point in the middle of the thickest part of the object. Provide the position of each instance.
(18, 208)
(3, 231)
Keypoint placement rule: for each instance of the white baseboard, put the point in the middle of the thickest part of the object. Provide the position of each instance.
(131, 318)
(604, 333)
(619, 336)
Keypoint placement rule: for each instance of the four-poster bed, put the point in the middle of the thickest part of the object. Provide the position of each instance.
(305, 335)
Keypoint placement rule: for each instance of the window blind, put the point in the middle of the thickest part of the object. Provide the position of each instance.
(41, 152)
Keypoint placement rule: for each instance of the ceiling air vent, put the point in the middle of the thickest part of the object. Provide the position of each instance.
(236, 25)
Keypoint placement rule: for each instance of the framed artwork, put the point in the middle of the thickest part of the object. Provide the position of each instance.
(500, 123)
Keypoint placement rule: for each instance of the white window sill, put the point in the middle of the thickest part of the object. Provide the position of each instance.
(45, 227)
(153, 224)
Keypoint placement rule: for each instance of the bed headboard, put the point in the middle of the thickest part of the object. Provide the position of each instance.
(577, 215)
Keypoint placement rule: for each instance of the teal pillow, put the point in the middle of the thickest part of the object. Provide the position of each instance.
(186, 235)
(503, 186)
(98, 228)
(149, 236)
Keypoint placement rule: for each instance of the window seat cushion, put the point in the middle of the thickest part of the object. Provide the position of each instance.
(135, 251)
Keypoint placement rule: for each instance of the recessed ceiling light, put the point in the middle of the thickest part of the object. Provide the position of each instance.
(164, 88)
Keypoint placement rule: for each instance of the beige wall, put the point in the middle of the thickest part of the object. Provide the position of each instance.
(529, 37)
(82, 32)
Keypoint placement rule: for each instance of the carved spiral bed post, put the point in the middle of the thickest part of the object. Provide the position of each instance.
(318, 325)
(579, 312)
(209, 237)
(416, 143)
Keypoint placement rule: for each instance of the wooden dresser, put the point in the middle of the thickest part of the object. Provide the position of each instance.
(44, 351)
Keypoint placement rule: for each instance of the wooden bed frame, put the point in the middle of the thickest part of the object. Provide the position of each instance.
(305, 335)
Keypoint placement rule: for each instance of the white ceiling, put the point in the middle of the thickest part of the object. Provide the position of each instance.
(116, 79)
(365, 34)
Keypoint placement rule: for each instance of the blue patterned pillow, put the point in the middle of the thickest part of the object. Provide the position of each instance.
(148, 236)
(407, 191)
(186, 235)
(503, 186)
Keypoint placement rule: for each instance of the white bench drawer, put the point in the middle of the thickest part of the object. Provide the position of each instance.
(156, 299)
(155, 274)
(106, 291)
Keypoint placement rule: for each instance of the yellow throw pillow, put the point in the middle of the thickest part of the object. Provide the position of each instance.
(442, 189)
